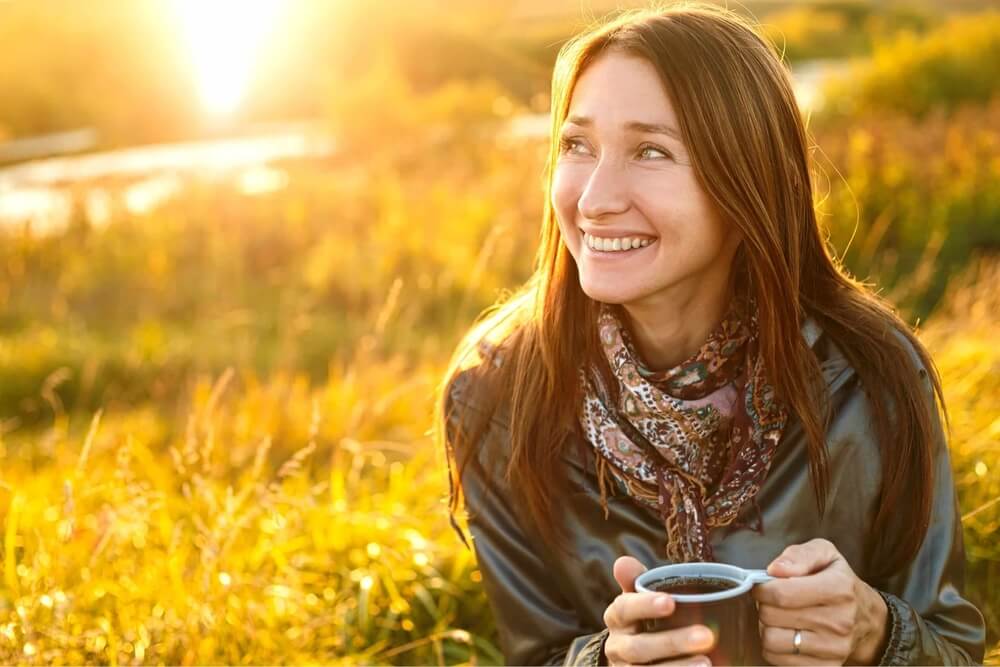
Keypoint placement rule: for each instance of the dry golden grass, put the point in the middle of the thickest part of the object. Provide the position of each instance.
(340, 552)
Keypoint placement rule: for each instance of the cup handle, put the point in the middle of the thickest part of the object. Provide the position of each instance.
(759, 576)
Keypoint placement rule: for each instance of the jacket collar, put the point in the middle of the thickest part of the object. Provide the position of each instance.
(811, 331)
(832, 362)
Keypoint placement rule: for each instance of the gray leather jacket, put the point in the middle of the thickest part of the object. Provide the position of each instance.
(549, 610)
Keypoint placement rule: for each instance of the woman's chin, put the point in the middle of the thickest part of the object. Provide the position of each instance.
(609, 294)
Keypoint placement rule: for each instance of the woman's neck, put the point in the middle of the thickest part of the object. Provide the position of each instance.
(666, 332)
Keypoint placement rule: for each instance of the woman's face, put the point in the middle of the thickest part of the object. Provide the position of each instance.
(623, 173)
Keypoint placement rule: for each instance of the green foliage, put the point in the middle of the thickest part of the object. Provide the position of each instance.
(954, 64)
(828, 30)
(908, 201)
(287, 280)
(380, 113)
(961, 339)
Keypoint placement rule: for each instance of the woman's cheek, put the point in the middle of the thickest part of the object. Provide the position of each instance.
(564, 206)
(562, 192)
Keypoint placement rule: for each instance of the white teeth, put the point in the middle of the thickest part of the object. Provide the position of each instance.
(615, 245)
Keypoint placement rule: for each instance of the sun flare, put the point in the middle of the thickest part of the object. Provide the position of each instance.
(223, 38)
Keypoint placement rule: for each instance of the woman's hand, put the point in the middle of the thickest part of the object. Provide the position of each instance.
(841, 619)
(627, 645)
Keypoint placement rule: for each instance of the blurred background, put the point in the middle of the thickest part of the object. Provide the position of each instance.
(239, 240)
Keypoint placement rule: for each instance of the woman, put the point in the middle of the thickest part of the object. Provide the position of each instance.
(688, 347)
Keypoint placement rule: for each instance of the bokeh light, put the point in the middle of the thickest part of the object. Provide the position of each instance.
(223, 38)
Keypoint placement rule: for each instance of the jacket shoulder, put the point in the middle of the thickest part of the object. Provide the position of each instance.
(477, 390)
(475, 385)
(914, 352)
(837, 367)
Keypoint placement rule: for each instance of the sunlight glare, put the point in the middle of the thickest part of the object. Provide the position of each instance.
(223, 37)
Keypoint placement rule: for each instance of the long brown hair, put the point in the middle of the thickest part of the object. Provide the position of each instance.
(749, 151)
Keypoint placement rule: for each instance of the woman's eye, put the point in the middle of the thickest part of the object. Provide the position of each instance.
(567, 145)
(655, 149)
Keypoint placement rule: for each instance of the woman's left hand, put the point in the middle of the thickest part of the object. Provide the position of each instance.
(841, 619)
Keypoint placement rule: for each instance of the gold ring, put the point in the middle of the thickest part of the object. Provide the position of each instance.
(796, 641)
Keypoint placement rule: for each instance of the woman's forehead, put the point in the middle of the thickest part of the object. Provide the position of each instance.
(624, 92)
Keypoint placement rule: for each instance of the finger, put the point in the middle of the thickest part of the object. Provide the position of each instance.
(801, 559)
(626, 569)
(834, 620)
(783, 659)
(646, 647)
(814, 645)
(626, 610)
(828, 587)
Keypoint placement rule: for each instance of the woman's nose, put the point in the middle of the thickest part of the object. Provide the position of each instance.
(606, 192)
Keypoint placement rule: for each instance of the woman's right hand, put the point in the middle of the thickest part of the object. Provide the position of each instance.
(628, 645)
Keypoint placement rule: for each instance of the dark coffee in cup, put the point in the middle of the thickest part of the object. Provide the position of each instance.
(715, 595)
(692, 585)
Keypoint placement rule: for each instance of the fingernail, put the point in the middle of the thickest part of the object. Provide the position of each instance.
(662, 603)
(699, 636)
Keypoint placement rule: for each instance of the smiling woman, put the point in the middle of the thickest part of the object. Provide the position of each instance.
(223, 38)
(747, 401)
(609, 184)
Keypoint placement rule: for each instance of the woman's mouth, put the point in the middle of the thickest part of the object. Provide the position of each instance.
(607, 245)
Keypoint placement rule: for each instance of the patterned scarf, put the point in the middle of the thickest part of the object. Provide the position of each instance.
(692, 443)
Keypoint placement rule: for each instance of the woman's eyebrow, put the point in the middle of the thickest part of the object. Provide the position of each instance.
(652, 128)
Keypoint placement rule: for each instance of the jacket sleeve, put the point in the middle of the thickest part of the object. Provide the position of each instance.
(536, 624)
(931, 623)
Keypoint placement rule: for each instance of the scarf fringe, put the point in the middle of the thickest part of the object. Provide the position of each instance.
(609, 476)
(602, 474)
